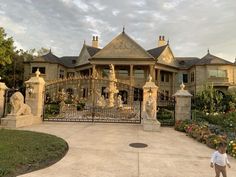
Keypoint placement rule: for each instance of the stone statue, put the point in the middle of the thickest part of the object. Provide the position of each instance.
(101, 102)
(119, 102)
(62, 105)
(18, 107)
(112, 89)
(150, 108)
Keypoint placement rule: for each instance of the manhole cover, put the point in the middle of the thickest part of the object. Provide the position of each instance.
(138, 145)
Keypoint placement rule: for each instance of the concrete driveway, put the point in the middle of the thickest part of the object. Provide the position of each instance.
(102, 150)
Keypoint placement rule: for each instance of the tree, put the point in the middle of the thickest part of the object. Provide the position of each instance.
(210, 100)
(6, 48)
(42, 51)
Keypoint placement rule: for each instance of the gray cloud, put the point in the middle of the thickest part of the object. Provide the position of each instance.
(191, 26)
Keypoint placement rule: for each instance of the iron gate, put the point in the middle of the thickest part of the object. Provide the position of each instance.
(88, 99)
(165, 109)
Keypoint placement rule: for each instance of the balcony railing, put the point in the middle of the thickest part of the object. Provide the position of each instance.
(218, 79)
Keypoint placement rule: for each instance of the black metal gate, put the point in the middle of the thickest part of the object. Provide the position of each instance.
(87, 100)
(165, 109)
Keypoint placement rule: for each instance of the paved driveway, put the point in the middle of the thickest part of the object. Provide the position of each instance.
(102, 150)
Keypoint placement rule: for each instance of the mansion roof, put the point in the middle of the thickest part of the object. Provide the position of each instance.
(156, 52)
(124, 47)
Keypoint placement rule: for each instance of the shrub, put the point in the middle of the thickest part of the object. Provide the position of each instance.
(182, 125)
(52, 109)
(231, 148)
(213, 140)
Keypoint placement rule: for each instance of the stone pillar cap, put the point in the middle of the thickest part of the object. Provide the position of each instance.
(150, 83)
(182, 92)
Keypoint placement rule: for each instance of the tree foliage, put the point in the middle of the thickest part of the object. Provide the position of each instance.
(6, 48)
(12, 61)
(210, 100)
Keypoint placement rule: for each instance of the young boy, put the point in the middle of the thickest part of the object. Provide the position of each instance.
(220, 160)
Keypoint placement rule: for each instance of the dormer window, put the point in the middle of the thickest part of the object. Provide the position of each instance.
(182, 62)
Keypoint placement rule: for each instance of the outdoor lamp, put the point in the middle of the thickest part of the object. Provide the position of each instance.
(30, 90)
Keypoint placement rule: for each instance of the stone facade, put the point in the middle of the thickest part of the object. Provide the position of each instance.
(133, 64)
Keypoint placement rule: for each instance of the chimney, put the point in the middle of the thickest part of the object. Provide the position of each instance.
(95, 41)
(161, 41)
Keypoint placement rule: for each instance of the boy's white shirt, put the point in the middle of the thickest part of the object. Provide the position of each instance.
(219, 159)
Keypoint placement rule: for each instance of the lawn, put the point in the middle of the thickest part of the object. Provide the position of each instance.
(25, 151)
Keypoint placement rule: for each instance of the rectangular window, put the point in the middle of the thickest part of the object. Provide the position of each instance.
(192, 76)
(123, 73)
(139, 73)
(61, 74)
(167, 76)
(162, 77)
(70, 74)
(156, 75)
(42, 70)
(185, 78)
(217, 73)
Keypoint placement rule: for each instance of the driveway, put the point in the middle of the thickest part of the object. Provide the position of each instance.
(102, 150)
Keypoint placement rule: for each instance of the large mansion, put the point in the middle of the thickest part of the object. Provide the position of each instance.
(133, 64)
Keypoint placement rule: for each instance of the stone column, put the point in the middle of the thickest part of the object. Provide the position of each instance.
(94, 72)
(3, 88)
(131, 80)
(182, 104)
(173, 83)
(152, 71)
(158, 77)
(150, 122)
(35, 88)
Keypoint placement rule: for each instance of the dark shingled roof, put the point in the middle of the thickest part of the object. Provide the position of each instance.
(211, 59)
(186, 62)
(49, 57)
(68, 61)
(156, 52)
(92, 50)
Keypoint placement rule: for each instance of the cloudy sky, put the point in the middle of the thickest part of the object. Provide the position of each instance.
(192, 26)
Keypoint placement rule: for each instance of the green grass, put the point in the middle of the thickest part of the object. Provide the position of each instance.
(25, 151)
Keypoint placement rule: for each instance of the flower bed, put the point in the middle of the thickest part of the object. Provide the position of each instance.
(205, 133)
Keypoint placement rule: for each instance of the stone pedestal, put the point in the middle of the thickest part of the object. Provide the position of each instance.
(13, 121)
(182, 104)
(151, 125)
(35, 94)
(150, 122)
(3, 88)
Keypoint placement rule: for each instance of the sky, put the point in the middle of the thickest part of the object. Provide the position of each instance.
(192, 26)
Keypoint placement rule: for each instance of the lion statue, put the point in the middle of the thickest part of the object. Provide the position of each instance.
(18, 107)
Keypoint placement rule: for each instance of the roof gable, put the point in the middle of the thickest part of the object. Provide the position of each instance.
(209, 59)
(122, 47)
(166, 57)
(85, 54)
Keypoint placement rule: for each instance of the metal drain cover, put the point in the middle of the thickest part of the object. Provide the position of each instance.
(138, 145)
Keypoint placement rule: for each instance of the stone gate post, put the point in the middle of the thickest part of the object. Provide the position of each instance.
(3, 88)
(35, 87)
(182, 104)
(150, 122)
